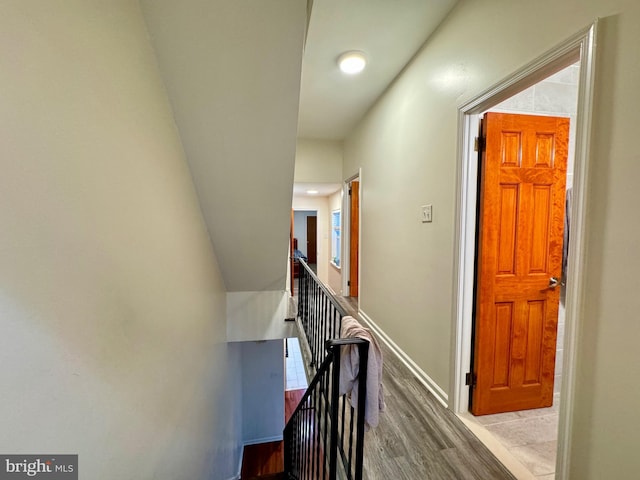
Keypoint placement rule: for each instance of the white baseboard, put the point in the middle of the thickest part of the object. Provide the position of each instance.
(420, 374)
(255, 441)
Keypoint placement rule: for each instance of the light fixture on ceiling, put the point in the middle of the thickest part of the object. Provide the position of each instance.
(312, 192)
(352, 62)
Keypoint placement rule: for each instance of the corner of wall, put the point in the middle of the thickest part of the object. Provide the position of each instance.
(255, 316)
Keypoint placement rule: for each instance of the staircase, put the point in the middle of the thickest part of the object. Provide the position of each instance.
(324, 437)
(269, 476)
(263, 461)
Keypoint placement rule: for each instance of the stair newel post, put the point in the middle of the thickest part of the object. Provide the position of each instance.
(363, 351)
(288, 453)
(335, 395)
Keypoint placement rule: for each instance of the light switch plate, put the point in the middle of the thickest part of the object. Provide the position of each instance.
(426, 213)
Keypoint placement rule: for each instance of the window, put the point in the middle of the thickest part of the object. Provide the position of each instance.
(336, 237)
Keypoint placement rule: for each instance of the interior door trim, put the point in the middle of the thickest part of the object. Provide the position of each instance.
(582, 47)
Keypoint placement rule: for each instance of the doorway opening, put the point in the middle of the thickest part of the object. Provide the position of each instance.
(571, 62)
(305, 236)
(351, 224)
(354, 236)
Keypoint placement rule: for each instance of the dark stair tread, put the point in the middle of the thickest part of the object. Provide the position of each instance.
(270, 476)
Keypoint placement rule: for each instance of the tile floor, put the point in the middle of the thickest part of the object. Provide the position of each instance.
(295, 373)
(528, 439)
(529, 436)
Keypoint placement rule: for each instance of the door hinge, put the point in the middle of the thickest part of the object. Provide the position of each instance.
(349, 190)
(470, 379)
(348, 283)
(478, 144)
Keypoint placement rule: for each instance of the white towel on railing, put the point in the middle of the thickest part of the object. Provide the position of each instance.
(350, 366)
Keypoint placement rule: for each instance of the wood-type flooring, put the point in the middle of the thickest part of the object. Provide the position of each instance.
(417, 437)
(265, 460)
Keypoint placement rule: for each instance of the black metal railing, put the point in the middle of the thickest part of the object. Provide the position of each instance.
(324, 438)
(319, 312)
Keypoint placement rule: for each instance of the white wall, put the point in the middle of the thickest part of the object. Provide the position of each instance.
(112, 305)
(321, 206)
(258, 316)
(263, 386)
(406, 146)
(318, 161)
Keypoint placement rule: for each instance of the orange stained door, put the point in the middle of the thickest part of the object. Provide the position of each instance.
(354, 237)
(521, 215)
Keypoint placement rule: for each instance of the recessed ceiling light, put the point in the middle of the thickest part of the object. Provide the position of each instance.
(352, 62)
(312, 192)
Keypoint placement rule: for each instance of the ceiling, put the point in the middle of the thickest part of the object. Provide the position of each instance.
(321, 189)
(232, 73)
(389, 32)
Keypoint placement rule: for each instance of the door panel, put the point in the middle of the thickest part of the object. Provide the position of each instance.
(520, 240)
(507, 232)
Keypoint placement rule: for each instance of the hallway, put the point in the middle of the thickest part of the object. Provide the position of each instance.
(417, 437)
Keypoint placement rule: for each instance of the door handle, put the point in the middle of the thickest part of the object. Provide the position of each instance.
(553, 282)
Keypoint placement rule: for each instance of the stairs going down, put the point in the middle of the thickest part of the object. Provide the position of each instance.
(269, 476)
(263, 461)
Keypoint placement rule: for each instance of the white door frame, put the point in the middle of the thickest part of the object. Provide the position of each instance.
(579, 47)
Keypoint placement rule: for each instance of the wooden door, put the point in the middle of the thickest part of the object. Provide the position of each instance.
(521, 216)
(312, 239)
(354, 237)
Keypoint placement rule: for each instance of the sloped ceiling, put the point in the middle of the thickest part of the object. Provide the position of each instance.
(232, 71)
